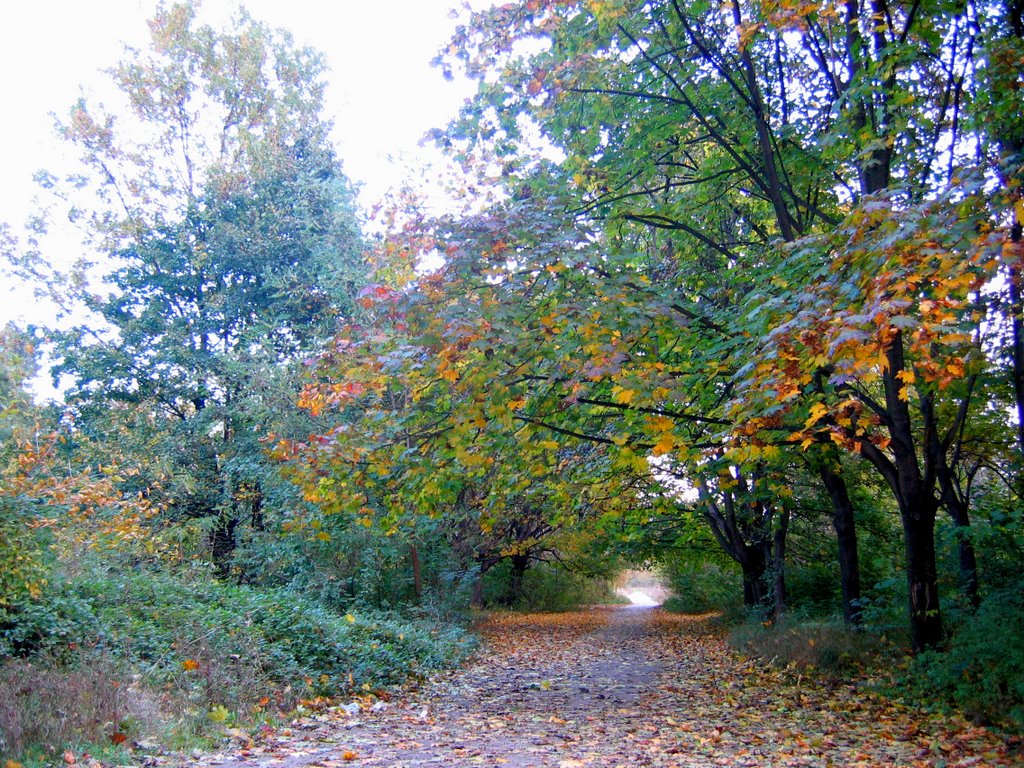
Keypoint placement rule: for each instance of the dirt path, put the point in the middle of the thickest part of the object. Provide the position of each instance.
(620, 687)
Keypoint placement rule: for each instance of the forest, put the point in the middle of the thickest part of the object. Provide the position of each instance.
(727, 292)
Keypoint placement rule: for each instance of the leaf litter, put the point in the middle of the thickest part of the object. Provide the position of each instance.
(612, 687)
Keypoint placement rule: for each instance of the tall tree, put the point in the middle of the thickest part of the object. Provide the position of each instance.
(731, 129)
(228, 247)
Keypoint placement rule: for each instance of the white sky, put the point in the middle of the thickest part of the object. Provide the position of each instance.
(382, 96)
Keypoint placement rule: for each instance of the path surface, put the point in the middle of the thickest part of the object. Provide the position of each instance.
(620, 687)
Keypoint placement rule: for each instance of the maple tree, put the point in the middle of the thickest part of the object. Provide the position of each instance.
(765, 243)
(732, 129)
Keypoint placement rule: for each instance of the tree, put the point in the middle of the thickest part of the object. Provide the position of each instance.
(229, 250)
(731, 129)
(24, 573)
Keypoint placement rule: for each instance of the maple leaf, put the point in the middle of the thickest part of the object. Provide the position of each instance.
(666, 442)
(623, 395)
(818, 411)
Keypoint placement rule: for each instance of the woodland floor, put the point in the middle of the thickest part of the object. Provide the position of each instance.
(620, 687)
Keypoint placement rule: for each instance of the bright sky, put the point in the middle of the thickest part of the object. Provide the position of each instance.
(383, 95)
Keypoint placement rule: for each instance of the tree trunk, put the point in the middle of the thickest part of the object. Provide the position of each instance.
(922, 578)
(755, 591)
(778, 564)
(915, 494)
(255, 493)
(417, 576)
(1017, 326)
(846, 541)
(476, 598)
(222, 544)
(515, 584)
(965, 549)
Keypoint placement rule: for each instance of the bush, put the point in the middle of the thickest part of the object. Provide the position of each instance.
(216, 653)
(51, 624)
(700, 586)
(546, 587)
(234, 646)
(982, 673)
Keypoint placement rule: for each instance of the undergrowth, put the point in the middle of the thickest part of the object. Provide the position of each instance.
(825, 646)
(208, 654)
(982, 672)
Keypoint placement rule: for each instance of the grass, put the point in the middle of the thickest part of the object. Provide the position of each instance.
(825, 646)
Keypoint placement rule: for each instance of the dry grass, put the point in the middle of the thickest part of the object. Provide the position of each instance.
(45, 707)
(829, 648)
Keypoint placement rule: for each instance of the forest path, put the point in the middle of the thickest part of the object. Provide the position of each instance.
(620, 687)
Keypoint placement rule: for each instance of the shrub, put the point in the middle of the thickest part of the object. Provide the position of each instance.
(982, 673)
(547, 587)
(700, 586)
(234, 646)
(48, 624)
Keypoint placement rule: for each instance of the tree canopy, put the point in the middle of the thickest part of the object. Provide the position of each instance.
(775, 241)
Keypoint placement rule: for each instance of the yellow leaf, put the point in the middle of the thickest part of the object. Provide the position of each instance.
(550, 445)
(350, 618)
(905, 393)
(818, 410)
(190, 665)
(666, 442)
(623, 395)
(661, 424)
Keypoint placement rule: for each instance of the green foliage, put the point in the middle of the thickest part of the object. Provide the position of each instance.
(982, 672)
(52, 623)
(700, 585)
(22, 454)
(827, 647)
(255, 642)
(343, 564)
(548, 587)
(226, 240)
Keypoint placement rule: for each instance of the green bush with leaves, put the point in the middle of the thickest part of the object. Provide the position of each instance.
(223, 638)
(547, 587)
(700, 585)
(982, 673)
(52, 624)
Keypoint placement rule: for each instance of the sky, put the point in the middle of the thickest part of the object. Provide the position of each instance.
(382, 96)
